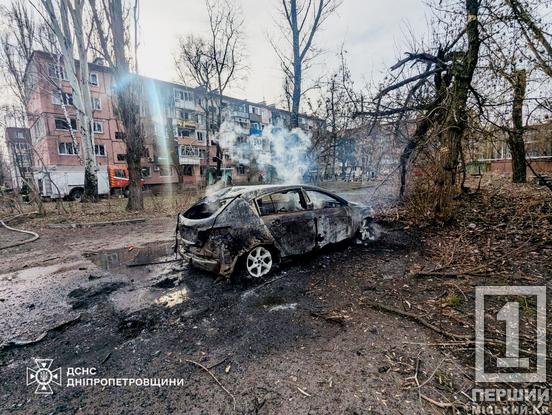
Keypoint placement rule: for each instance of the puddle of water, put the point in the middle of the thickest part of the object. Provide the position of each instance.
(118, 258)
(173, 298)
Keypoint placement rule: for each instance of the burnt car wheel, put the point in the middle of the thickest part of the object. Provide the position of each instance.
(258, 262)
(367, 231)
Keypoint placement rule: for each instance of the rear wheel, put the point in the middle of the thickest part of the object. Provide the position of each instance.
(76, 195)
(258, 262)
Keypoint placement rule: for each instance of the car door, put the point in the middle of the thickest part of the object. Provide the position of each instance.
(290, 223)
(333, 222)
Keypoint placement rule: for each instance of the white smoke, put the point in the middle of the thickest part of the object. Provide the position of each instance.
(285, 151)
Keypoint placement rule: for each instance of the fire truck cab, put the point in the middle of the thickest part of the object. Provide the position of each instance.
(118, 180)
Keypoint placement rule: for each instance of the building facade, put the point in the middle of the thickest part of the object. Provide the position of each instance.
(493, 154)
(179, 123)
(18, 142)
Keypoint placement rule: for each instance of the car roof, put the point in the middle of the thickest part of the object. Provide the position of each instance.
(252, 192)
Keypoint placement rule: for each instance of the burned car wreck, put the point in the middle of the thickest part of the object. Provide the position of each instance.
(254, 227)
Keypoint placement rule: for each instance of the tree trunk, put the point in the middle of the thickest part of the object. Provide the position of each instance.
(515, 137)
(455, 125)
(297, 67)
(129, 91)
(207, 145)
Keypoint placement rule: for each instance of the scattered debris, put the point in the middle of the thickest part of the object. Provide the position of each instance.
(91, 224)
(173, 298)
(19, 342)
(216, 380)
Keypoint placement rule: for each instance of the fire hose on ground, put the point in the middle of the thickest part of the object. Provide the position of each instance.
(34, 235)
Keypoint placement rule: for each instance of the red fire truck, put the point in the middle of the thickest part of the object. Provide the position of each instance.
(118, 180)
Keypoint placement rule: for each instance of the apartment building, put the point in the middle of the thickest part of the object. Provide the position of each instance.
(18, 142)
(178, 133)
(493, 154)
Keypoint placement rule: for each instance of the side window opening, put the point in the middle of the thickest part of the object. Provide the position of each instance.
(281, 202)
(321, 200)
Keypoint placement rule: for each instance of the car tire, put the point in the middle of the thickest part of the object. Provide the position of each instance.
(368, 231)
(76, 195)
(259, 262)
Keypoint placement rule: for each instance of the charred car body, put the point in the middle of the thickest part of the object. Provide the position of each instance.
(259, 225)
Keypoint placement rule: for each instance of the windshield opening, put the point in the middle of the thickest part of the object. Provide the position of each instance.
(205, 208)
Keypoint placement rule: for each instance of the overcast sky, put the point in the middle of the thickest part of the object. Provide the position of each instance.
(370, 29)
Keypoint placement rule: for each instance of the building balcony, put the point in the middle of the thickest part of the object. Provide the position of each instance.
(186, 124)
(255, 118)
(255, 131)
(240, 114)
(189, 105)
(189, 160)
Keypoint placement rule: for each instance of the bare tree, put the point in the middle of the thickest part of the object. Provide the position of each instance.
(536, 31)
(303, 19)
(66, 22)
(195, 65)
(112, 39)
(214, 62)
(432, 89)
(16, 49)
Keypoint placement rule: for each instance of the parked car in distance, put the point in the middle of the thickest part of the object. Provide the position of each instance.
(256, 226)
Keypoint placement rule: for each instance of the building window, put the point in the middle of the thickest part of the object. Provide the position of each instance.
(20, 134)
(121, 157)
(183, 132)
(119, 135)
(56, 71)
(183, 115)
(62, 124)
(241, 169)
(67, 148)
(199, 135)
(99, 149)
(146, 171)
(94, 78)
(165, 171)
(59, 98)
(188, 170)
(96, 103)
(98, 127)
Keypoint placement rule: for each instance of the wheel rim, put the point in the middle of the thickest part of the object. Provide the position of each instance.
(366, 233)
(259, 262)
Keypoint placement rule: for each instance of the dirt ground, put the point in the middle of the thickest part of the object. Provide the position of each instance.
(309, 340)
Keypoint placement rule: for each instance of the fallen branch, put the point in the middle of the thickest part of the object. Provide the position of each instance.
(418, 319)
(442, 405)
(480, 270)
(467, 339)
(216, 380)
